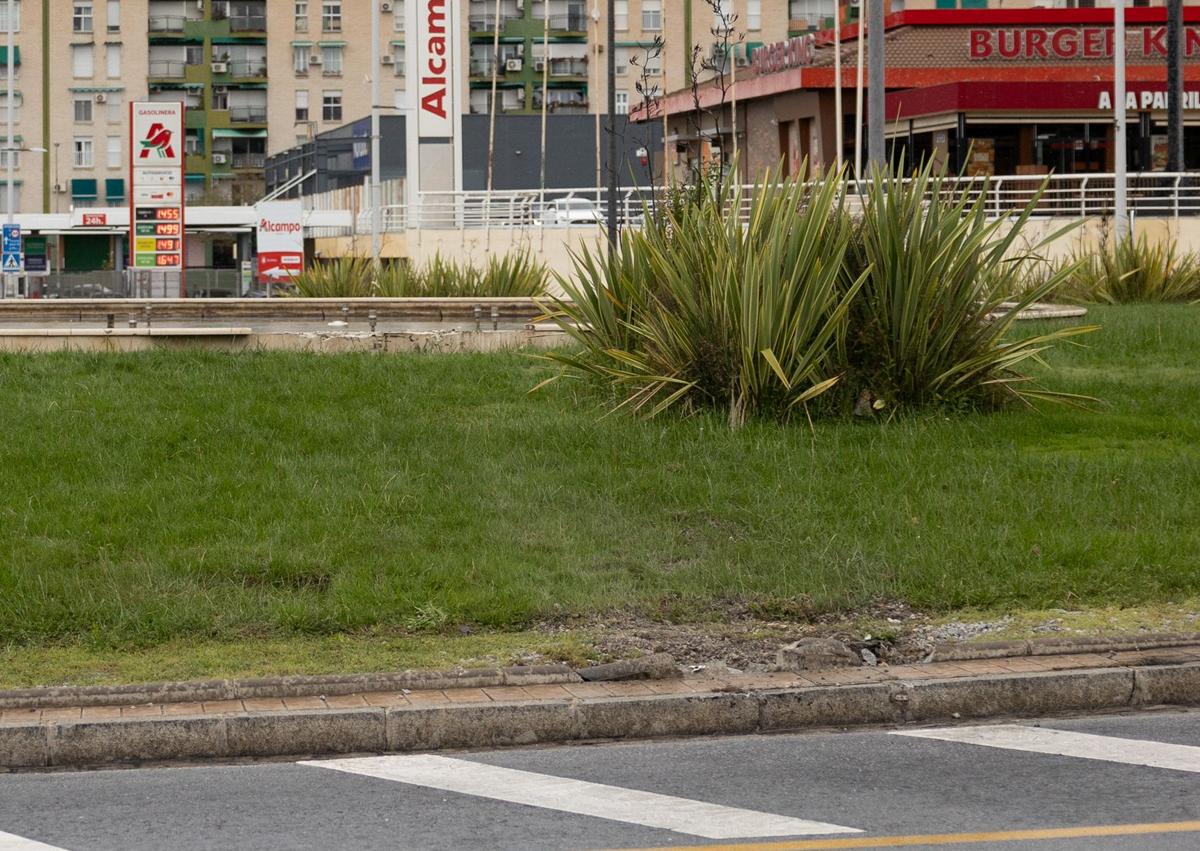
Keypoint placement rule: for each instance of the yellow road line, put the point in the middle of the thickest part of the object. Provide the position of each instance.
(952, 838)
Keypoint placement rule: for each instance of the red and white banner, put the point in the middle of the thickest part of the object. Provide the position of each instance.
(436, 67)
(280, 240)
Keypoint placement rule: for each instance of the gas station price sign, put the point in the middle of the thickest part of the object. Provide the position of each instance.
(157, 199)
(158, 238)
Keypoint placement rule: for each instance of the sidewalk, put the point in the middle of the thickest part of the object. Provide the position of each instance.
(702, 703)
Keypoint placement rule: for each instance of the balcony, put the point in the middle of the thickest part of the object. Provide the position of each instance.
(486, 23)
(568, 67)
(168, 69)
(166, 24)
(575, 22)
(243, 161)
(248, 114)
(484, 67)
(248, 23)
(256, 68)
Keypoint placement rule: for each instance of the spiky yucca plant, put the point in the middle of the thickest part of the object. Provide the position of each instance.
(1134, 270)
(515, 274)
(900, 303)
(697, 309)
(927, 324)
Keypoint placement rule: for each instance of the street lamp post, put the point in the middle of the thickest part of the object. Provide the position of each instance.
(1119, 165)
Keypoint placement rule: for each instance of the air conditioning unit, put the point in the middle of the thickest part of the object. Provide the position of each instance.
(512, 64)
(385, 7)
(315, 59)
(102, 98)
(220, 67)
(60, 188)
(218, 159)
(387, 60)
(539, 64)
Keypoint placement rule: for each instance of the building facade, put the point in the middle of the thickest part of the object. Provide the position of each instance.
(987, 91)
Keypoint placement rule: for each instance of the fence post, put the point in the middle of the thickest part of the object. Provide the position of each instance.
(1083, 198)
(999, 185)
(1178, 189)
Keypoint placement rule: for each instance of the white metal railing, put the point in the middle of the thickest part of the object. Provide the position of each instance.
(1066, 196)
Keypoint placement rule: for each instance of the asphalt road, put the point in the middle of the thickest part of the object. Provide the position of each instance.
(873, 789)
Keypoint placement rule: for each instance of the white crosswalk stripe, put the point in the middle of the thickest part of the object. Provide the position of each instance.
(11, 842)
(648, 809)
(1068, 743)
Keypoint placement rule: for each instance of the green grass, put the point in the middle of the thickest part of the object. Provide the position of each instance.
(184, 498)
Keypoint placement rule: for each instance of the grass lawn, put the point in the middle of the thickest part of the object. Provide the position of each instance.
(185, 499)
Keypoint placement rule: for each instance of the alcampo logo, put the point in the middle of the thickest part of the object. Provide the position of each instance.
(158, 138)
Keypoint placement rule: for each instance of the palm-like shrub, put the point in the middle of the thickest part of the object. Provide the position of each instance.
(1133, 270)
(697, 309)
(515, 274)
(899, 303)
(927, 325)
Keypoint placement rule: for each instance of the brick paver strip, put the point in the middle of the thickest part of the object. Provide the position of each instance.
(507, 693)
(427, 698)
(709, 681)
(467, 695)
(548, 692)
(183, 709)
(263, 704)
(295, 703)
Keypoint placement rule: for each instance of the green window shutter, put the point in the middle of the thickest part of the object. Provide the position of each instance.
(83, 188)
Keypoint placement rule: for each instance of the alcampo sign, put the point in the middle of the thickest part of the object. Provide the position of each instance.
(1074, 43)
(435, 60)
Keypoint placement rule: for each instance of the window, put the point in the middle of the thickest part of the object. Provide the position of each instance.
(331, 61)
(811, 11)
(754, 14)
(331, 16)
(398, 59)
(622, 103)
(82, 60)
(652, 14)
(113, 149)
(15, 5)
(398, 16)
(81, 18)
(331, 106)
(83, 109)
(300, 59)
(113, 18)
(220, 98)
(84, 153)
(112, 61)
(621, 14)
(16, 161)
(115, 108)
(301, 16)
(17, 101)
(301, 105)
(193, 54)
(723, 16)
(653, 63)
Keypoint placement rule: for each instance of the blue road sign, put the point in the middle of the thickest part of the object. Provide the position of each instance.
(12, 261)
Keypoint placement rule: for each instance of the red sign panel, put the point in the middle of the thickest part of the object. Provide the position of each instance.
(95, 220)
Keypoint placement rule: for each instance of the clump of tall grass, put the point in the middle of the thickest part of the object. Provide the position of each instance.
(516, 274)
(1133, 271)
(896, 303)
(928, 324)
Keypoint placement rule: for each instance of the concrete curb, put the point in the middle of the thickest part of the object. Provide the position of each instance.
(967, 651)
(378, 729)
(198, 691)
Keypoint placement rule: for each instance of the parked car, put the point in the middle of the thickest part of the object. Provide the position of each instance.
(571, 211)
